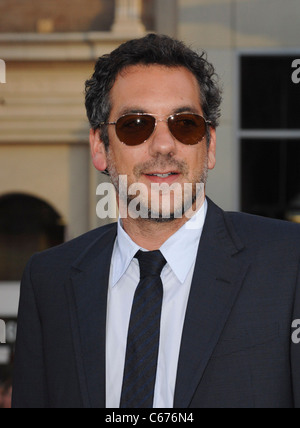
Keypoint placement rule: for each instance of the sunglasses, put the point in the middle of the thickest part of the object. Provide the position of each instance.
(136, 129)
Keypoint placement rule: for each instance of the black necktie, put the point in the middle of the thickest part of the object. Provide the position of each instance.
(143, 334)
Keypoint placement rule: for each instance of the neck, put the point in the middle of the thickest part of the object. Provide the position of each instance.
(151, 235)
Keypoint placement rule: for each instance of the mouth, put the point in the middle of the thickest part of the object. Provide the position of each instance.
(162, 177)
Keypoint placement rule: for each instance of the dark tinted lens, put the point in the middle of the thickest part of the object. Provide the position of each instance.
(135, 129)
(189, 129)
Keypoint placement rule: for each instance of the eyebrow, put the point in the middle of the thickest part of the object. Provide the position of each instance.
(186, 109)
(136, 110)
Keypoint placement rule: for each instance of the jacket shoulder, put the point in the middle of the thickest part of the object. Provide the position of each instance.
(260, 230)
(63, 256)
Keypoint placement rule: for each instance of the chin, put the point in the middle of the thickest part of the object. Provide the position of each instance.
(160, 219)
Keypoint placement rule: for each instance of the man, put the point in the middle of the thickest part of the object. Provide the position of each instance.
(191, 309)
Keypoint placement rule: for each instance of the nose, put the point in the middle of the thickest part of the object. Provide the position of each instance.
(162, 141)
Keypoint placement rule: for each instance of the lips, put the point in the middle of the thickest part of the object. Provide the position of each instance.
(162, 177)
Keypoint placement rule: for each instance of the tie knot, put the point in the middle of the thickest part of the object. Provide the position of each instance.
(151, 263)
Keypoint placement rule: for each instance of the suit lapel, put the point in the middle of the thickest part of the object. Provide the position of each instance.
(219, 273)
(87, 293)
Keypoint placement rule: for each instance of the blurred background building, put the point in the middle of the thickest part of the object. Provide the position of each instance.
(47, 182)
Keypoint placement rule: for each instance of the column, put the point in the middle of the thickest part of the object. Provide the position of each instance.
(128, 18)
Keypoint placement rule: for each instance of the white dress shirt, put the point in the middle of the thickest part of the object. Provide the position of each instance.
(180, 251)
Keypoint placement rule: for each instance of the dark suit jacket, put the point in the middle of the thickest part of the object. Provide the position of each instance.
(236, 348)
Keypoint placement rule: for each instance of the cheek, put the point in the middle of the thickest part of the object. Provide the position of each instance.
(196, 159)
(126, 158)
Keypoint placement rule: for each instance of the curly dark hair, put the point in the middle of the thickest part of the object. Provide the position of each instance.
(150, 50)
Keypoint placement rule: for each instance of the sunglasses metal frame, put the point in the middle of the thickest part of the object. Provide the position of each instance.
(172, 116)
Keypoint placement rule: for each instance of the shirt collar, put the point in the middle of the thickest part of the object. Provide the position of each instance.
(180, 250)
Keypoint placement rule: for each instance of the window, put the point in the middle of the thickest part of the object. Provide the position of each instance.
(27, 225)
(270, 137)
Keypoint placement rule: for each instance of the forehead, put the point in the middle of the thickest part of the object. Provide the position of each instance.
(155, 89)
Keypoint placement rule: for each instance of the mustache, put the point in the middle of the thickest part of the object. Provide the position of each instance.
(163, 164)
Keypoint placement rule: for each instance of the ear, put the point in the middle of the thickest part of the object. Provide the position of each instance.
(98, 150)
(212, 149)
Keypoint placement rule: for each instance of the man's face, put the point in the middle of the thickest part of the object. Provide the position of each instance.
(160, 91)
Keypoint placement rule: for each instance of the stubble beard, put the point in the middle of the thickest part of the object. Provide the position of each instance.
(187, 201)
